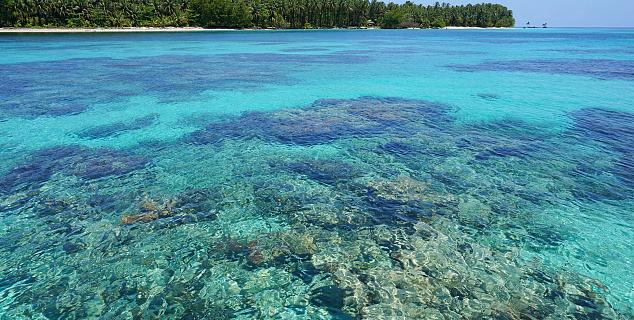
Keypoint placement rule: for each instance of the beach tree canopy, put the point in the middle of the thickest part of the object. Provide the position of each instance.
(295, 14)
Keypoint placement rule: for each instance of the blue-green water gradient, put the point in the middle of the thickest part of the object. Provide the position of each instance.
(317, 174)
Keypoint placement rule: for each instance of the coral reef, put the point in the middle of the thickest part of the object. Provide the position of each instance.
(369, 208)
(328, 120)
(613, 130)
(117, 128)
(404, 199)
(55, 109)
(169, 77)
(82, 162)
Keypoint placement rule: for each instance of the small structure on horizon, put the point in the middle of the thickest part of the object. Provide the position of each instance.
(529, 26)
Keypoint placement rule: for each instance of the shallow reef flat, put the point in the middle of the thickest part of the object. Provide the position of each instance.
(598, 68)
(168, 77)
(366, 208)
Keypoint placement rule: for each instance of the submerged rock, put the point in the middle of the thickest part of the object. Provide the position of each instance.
(332, 298)
(187, 207)
(72, 247)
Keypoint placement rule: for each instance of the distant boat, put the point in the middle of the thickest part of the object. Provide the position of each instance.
(529, 26)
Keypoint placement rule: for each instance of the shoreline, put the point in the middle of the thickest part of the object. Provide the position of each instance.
(193, 29)
(477, 28)
(107, 30)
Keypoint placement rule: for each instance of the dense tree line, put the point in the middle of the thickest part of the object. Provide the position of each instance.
(248, 14)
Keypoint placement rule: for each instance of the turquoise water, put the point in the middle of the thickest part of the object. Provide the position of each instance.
(318, 174)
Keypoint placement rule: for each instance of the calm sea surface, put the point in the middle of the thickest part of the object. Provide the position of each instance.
(318, 174)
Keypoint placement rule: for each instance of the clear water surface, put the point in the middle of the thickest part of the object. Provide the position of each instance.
(318, 175)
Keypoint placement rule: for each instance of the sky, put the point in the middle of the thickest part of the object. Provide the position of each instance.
(564, 13)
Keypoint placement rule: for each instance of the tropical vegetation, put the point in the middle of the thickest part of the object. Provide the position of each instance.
(248, 14)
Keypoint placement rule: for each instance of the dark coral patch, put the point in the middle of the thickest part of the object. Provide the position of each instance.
(246, 126)
(489, 96)
(279, 199)
(32, 109)
(614, 130)
(521, 151)
(324, 171)
(400, 148)
(117, 128)
(401, 200)
(596, 68)
(355, 52)
(503, 138)
(74, 160)
(330, 119)
(306, 49)
(326, 58)
(593, 51)
(624, 169)
(390, 212)
(407, 149)
(393, 113)
(270, 43)
(105, 163)
(333, 299)
(35, 89)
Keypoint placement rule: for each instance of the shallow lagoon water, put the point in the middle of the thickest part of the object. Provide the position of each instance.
(318, 174)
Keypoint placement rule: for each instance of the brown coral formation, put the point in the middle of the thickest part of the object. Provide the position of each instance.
(150, 211)
(269, 249)
(405, 188)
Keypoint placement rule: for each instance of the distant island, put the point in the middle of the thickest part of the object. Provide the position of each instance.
(244, 14)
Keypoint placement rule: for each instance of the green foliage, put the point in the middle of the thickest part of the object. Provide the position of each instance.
(439, 22)
(247, 13)
(393, 19)
(5, 12)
